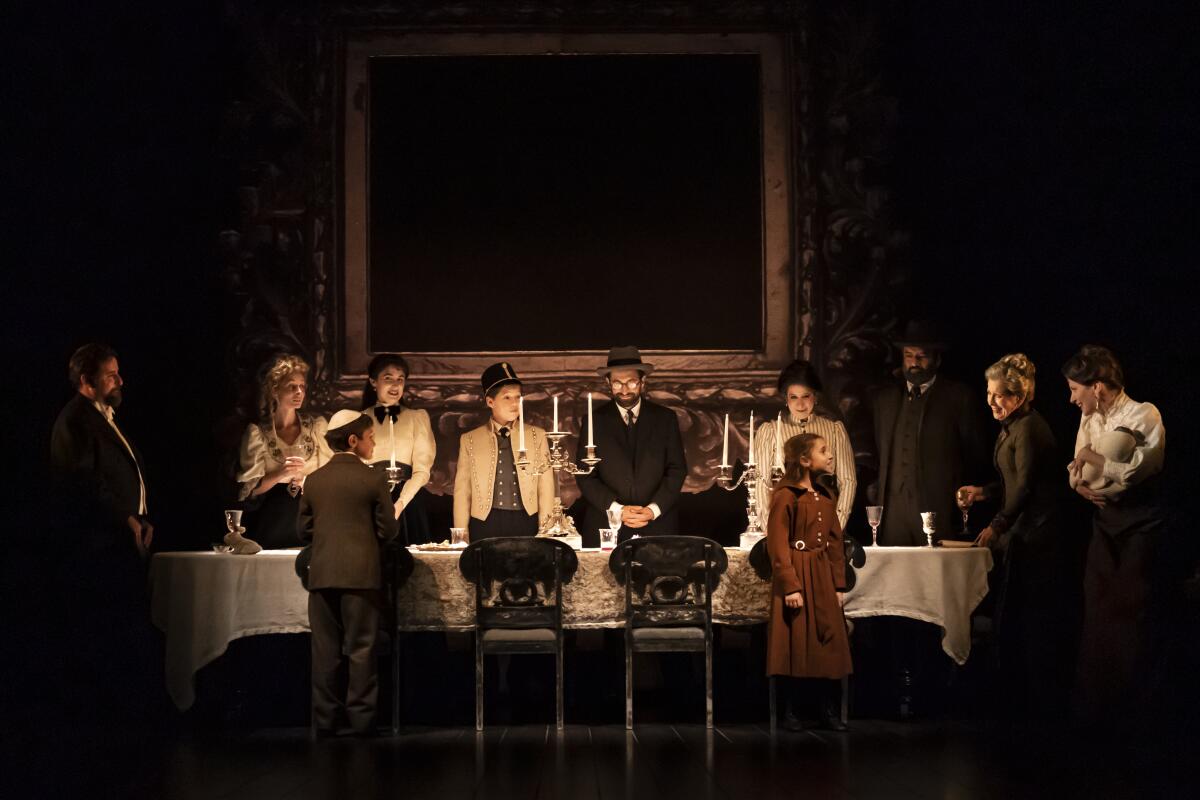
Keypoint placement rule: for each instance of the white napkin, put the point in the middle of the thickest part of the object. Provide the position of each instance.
(240, 544)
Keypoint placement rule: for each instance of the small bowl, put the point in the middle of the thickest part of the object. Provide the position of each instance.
(222, 548)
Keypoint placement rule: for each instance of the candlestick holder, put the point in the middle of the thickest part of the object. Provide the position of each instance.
(749, 477)
(557, 522)
(393, 477)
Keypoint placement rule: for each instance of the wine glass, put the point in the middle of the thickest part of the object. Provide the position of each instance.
(963, 498)
(874, 517)
(929, 526)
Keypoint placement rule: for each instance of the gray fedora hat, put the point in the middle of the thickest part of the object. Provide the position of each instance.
(625, 358)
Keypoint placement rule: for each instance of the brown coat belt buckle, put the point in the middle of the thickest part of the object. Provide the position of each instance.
(799, 545)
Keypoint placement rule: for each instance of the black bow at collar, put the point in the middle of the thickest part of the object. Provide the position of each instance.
(382, 412)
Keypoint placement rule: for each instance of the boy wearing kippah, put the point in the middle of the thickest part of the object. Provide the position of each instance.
(345, 511)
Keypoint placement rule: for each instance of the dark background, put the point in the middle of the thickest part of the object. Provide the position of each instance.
(1045, 165)
(591, 186)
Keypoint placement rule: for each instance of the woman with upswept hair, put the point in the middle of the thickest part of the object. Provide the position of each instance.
(405, 435)
(800, 390)
(277, 452)
(1026, 533)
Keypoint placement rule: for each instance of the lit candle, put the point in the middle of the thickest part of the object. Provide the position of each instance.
(591, 442)
(521, 422)
(751, 461)
(556, 413)
(725, 446)
(392, 434)
(779, 440)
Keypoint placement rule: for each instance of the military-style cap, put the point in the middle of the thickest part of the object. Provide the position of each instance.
(498, 375)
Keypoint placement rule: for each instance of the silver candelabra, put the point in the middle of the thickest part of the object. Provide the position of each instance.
(557, 522)
(749, 477)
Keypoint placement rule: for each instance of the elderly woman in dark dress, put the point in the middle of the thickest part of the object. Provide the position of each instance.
(1030, 608)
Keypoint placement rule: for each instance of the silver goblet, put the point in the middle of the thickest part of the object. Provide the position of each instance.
(929, 526)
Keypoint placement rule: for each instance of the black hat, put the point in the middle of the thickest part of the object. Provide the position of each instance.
(625, 358)
(498, 375)
(921, 333)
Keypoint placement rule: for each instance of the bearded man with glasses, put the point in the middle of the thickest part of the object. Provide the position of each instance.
(642, 465)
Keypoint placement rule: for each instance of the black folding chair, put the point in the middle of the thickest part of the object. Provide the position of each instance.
(669, 581)
(518, 603)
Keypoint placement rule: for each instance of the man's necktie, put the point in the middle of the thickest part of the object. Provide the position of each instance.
(630, 429)
(914, 393)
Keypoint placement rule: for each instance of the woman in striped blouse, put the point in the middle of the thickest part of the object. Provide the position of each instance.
(800, 387)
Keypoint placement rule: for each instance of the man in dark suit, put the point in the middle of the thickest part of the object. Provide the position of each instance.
(345, 511)
(112, 654)
(929, 432)
(642, 466)
(99, 469)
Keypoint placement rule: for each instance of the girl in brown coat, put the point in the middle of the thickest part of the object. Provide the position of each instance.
(806, 637)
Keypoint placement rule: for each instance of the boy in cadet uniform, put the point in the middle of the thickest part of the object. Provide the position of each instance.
(345, 511)
(493, 496)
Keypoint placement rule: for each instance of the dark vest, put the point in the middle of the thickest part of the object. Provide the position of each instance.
(905, 462)
(507, 493)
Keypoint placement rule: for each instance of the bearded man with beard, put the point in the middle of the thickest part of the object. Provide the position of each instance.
(95, 461)
(642, 467)
(929, 433)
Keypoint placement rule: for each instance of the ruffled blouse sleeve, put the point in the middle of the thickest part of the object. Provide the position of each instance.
(844, 471)
(252, 460)
(323, 452)
(424, 450)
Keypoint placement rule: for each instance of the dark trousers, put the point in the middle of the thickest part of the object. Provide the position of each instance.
(503, 523)
(1115, 649)
(344, 621)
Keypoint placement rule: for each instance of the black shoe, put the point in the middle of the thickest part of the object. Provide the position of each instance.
(833, 722)
(831, 718)
(791, 722)
(351, 733)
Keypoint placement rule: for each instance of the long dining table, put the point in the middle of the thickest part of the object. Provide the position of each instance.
(202, 601)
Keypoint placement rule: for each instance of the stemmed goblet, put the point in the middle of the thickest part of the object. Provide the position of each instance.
(963, 498)
(874, 517)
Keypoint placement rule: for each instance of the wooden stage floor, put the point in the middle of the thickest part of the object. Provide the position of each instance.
(876, 759)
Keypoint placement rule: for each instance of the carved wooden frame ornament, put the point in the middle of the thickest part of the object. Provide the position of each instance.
(780, 318)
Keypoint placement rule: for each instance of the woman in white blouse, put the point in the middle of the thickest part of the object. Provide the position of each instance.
(403, 436)
(278, 452)
(1115, 648)
(800, 387)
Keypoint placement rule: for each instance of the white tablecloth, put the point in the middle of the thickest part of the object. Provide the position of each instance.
(203, 601)
(941, 585)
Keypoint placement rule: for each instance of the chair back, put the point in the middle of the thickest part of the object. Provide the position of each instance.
(518, 580)
(668, 580)
(856, 556)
